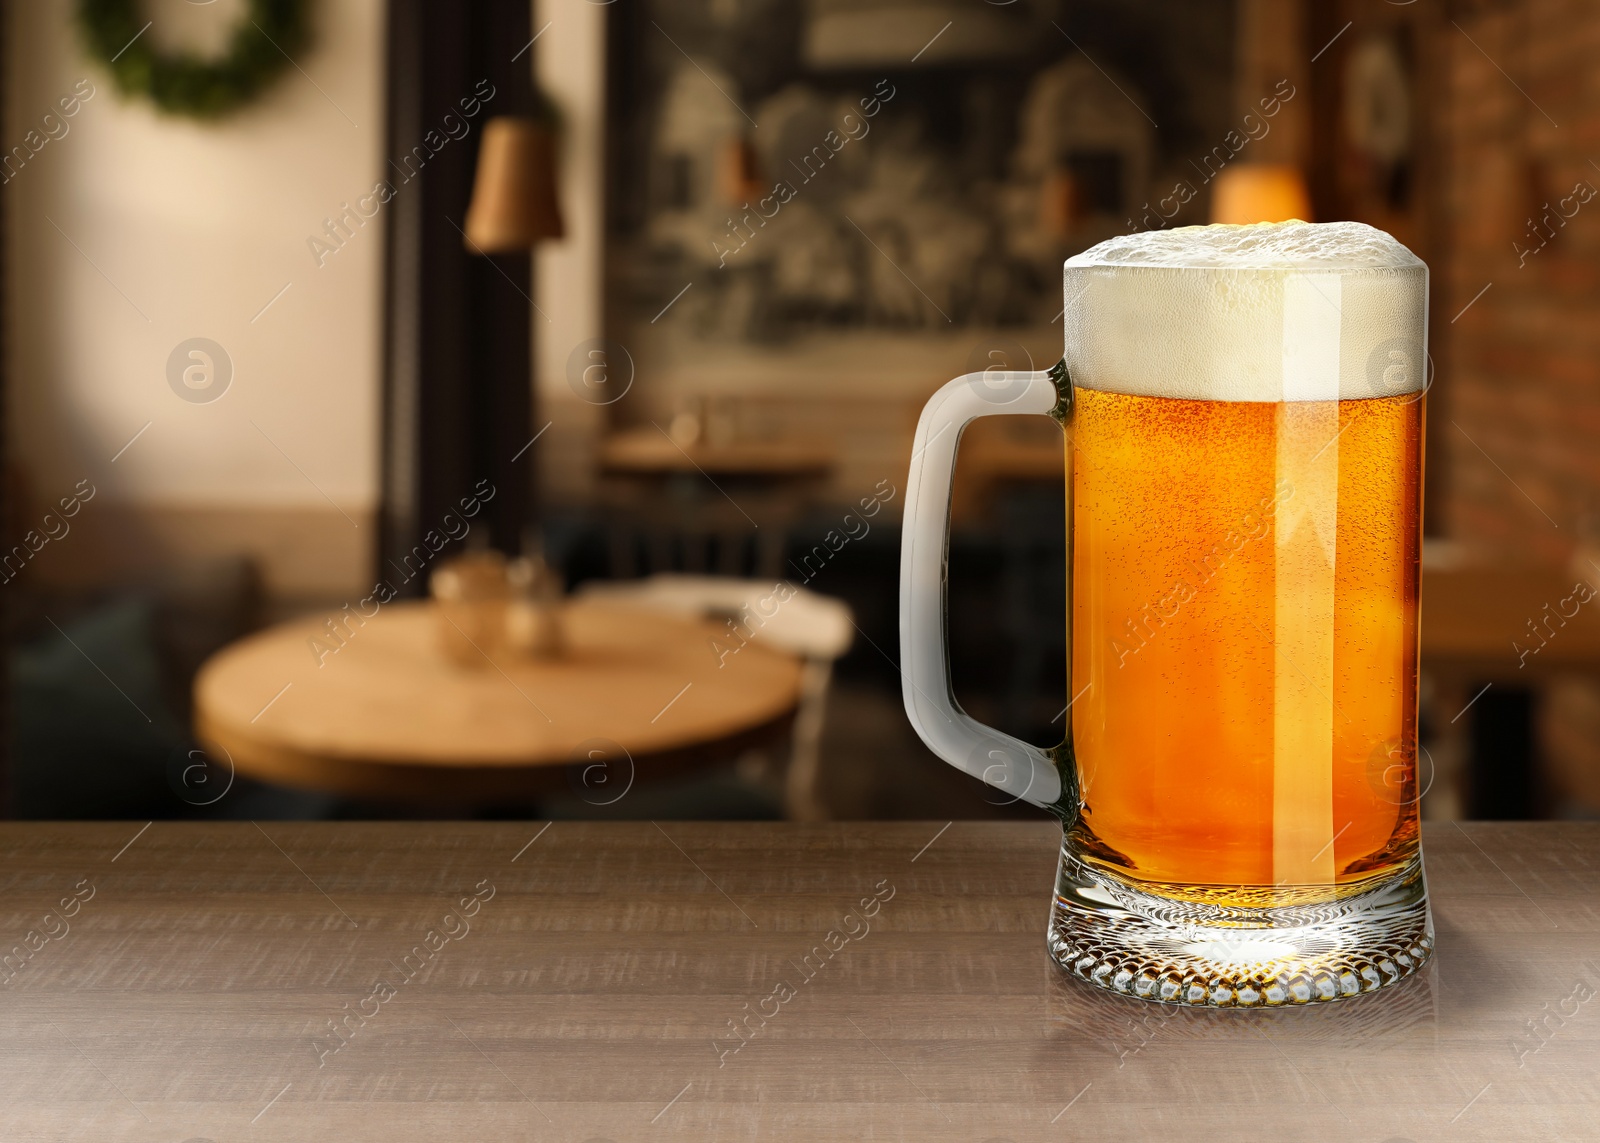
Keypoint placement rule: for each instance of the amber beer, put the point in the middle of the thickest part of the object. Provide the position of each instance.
(1246, 503)
(1246, 630)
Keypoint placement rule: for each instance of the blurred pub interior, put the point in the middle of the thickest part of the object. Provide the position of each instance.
(660, 297)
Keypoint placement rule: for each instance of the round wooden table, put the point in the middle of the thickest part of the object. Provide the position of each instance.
(388, 716)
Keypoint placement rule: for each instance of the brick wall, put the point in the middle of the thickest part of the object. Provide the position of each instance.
(1520, 368)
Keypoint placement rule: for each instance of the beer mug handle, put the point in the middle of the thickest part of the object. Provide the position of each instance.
(1022, 770)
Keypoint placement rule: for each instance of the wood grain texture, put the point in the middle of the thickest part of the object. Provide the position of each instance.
(387, 715)
(591, 990)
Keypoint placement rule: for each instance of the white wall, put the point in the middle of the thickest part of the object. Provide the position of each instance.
(571, 69)
(199, 226)
(570, 274)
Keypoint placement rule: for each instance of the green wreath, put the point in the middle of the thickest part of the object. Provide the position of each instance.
(183, 83)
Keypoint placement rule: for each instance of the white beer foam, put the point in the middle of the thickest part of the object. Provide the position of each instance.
(1286, 311)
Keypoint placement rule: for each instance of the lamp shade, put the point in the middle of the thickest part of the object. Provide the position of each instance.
(1260, 192)
(514, 193)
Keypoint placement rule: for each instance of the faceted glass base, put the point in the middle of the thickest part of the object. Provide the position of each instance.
(1129, 940)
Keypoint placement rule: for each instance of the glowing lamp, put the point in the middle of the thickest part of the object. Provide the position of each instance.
(1260, 192)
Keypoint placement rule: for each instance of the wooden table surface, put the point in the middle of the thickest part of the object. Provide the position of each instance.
(387, 715)
(1475, 624)
(588, 989)
(1475, 619)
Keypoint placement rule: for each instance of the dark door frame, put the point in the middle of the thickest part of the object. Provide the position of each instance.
(457, 390)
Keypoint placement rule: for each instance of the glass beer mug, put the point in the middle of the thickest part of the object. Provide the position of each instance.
(1243, 409)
